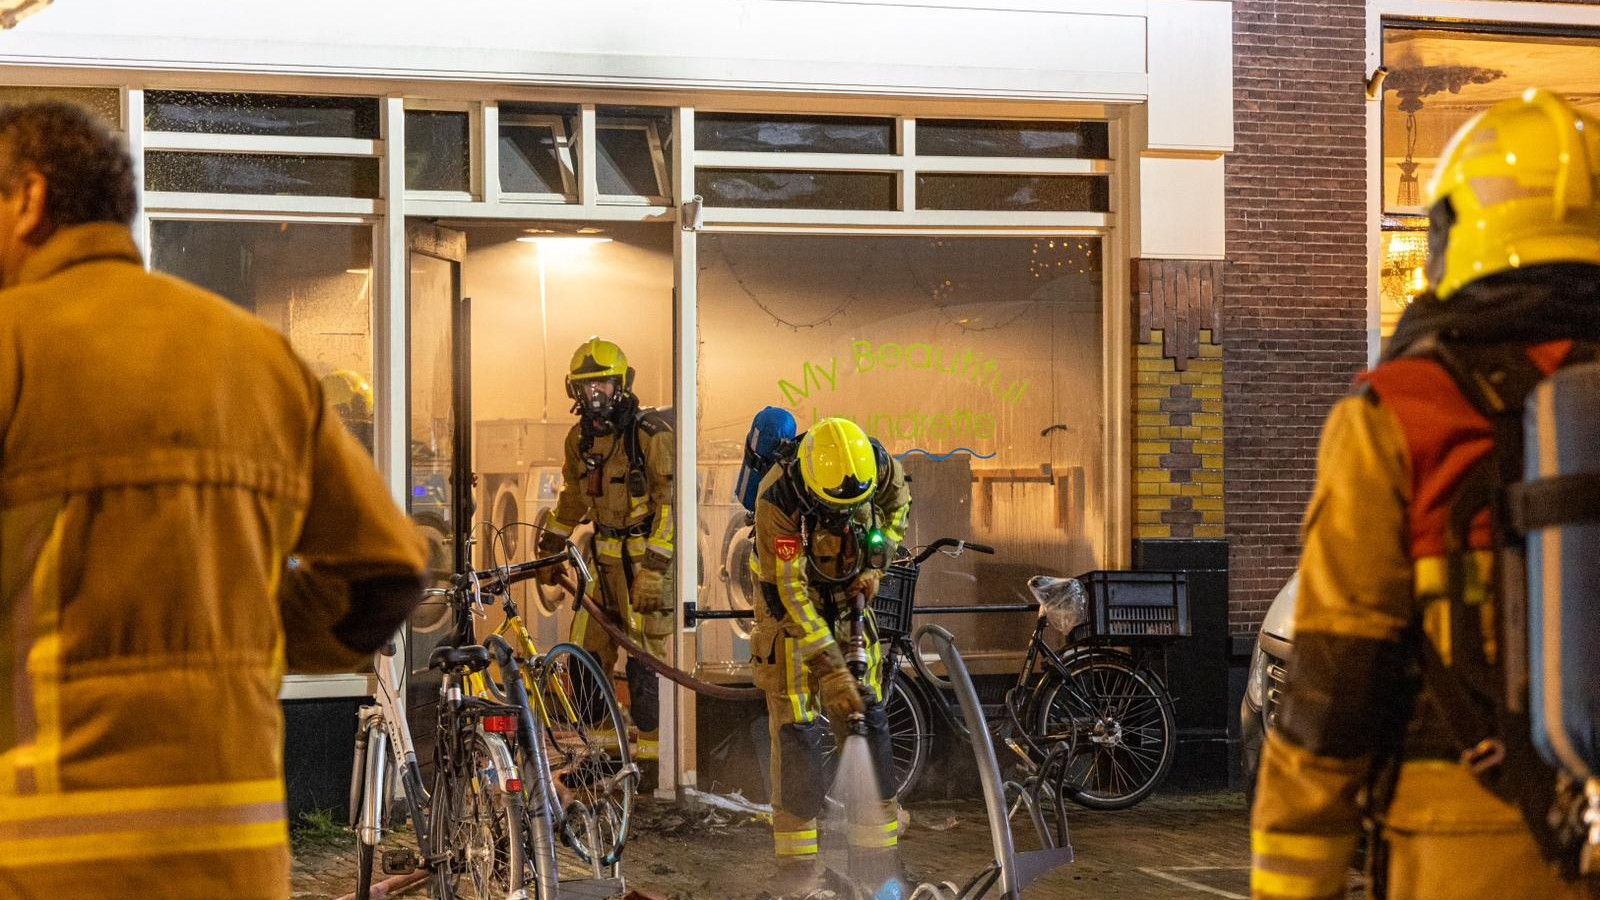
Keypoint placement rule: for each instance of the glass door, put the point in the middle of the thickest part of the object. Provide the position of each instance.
(438, 479)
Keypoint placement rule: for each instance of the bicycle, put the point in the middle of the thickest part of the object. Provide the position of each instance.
(592, 779)
(1096, 694)
(471, 821)
(489, 739)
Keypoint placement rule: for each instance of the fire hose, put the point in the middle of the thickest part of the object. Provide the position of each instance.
(648, 660)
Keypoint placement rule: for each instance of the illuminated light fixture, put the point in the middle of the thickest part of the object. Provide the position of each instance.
(14, 11)
(564, 240)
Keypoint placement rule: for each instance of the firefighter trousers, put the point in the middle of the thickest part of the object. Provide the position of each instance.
(799, 740)
(615, 558)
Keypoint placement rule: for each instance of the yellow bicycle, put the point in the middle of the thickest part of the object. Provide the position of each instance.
(591, 779)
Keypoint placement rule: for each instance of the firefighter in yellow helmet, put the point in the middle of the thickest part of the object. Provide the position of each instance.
(828, 517)
(349, 394)
(1392, 564)
(617, 473)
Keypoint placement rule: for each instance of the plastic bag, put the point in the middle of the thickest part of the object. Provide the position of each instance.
(1062, 601)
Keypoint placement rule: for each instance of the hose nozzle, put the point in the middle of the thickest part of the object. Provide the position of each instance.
(857, 723)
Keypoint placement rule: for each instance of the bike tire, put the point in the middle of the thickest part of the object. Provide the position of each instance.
(579, 711)
(484, 826)
(365, 854)
(1119, 716)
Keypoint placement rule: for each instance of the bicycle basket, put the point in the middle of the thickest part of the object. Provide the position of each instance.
(1062, 601)
(1131, 606)
(896, 596)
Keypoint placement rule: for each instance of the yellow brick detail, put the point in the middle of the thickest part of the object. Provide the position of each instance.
(1206, 420)
(1207, 531)
(1168, 378)
(1147, 432)
(1211, 463)
(1148, 517)
(1207, 366)
(1209, 350)
(1147, 351)
(1156, 475)
(1146, 502)
(1208, 448)
(1152, 447)
(1211, 406)
(1151, 392)
(1147, 462)
(1210, 516)
(1156, 365)
(1152, 405)
(1155, 531)
(1170, 490)
(1205, 504)
(1207, 392)
(1156, 418)
(1194, 377)
(1190, 489)
(1207, 476)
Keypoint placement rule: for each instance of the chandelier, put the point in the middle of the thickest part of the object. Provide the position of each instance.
(14, 11)
(1411, 84)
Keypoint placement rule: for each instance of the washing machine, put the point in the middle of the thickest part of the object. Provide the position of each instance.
(727, 538)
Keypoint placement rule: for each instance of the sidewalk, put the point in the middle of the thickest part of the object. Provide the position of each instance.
(1181, 847)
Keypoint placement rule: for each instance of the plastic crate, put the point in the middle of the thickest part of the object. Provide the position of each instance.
(896, 597)
(1137, 606)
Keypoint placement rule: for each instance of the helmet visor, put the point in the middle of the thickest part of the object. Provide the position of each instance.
(848, 492)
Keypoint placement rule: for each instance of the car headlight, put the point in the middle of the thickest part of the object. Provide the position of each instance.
(1255, 689)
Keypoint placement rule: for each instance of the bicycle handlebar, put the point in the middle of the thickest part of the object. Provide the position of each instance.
(957, 543)
(492, 581)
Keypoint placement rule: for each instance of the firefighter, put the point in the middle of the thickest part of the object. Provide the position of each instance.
(828, 515)
(349, 394)
(165, 456)
(617, 472)
(1514, 260)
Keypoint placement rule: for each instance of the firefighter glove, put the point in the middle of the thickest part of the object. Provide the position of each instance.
(648, 583)
(867, 583)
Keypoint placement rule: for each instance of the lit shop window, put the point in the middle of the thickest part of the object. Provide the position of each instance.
(977, 361)
(1440, 78)
(313, 282)
(1403, 273)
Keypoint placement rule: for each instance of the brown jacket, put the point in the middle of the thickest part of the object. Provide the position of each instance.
(162, 453)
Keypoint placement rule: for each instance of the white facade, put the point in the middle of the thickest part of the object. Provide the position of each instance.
(1157, 73)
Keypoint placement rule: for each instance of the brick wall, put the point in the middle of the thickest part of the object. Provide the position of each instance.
(1178, 461)
(1294, 320)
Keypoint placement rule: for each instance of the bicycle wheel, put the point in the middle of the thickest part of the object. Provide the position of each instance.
(480, 825)
(1119, 717)
(587, 742)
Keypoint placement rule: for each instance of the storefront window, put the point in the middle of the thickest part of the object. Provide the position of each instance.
(104, 104)
(793, 189)
(763, 133)
(313, 282)
(631, 156)
(536, 158)
(981, 137)
(1438, 79)
(284, 115)
(1403, 275)
(438, 150)
(261, 173)
(976, 361)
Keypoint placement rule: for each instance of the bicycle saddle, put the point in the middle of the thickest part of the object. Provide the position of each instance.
(459, 660)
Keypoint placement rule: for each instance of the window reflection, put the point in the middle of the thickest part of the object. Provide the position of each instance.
(312, 282)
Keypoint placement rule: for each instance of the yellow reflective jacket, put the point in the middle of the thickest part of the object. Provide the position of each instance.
(619, 505)
(786, 549)
(1349, 698)
(162, 453)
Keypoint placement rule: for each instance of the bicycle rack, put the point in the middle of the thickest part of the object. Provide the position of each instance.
(1011, 871)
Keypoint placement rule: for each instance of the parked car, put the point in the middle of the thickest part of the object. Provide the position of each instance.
(1269, 666)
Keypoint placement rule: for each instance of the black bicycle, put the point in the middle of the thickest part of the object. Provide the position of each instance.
(1095, 695)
